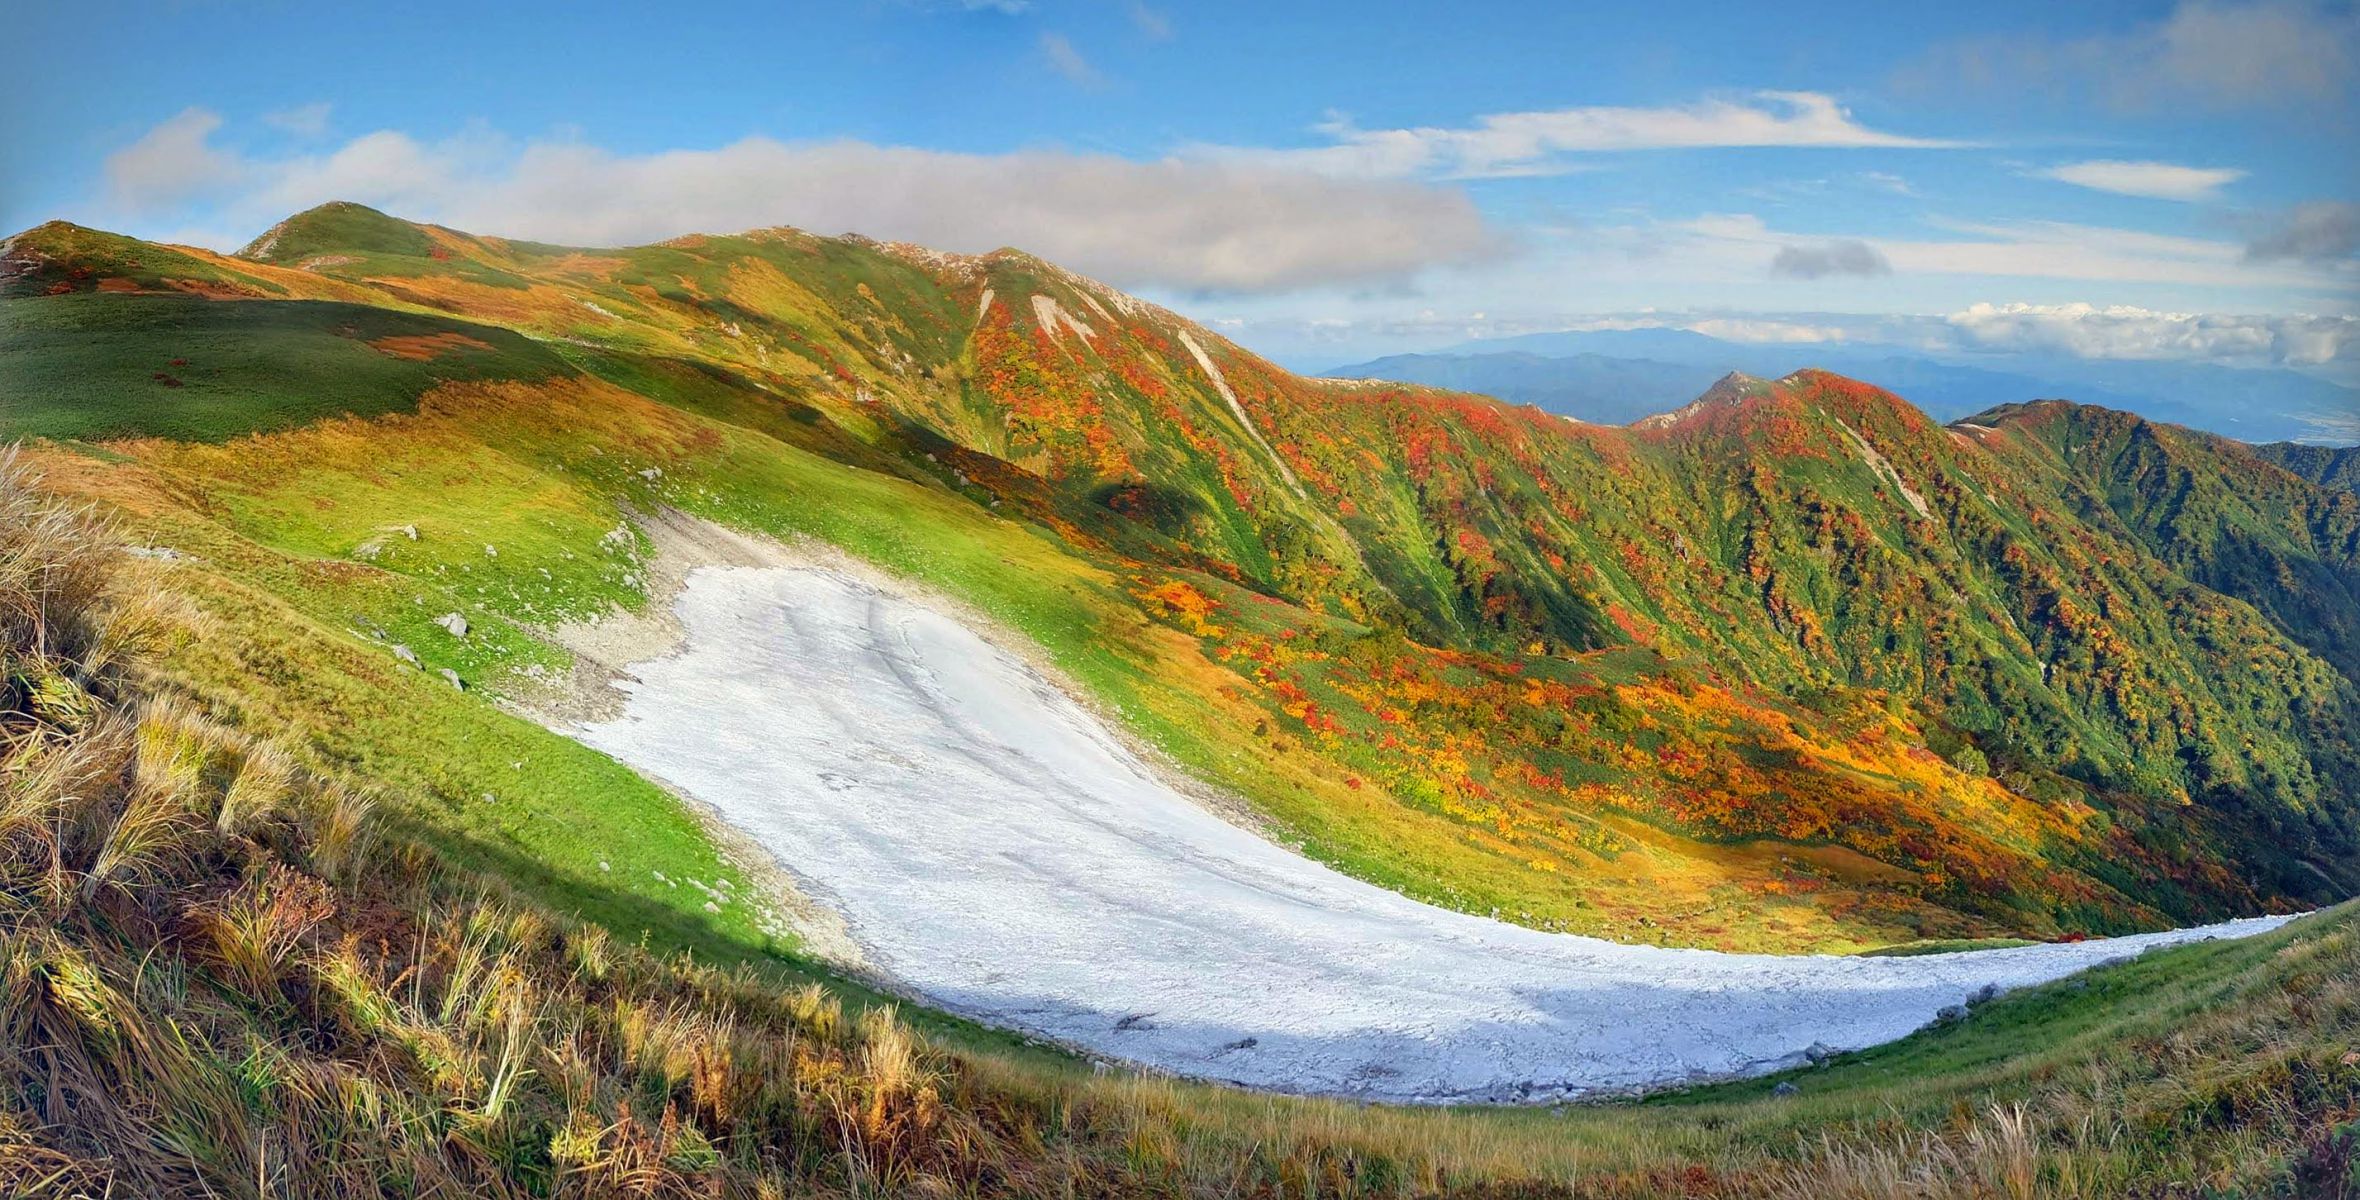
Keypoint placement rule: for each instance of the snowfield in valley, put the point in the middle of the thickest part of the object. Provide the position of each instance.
(996, 850)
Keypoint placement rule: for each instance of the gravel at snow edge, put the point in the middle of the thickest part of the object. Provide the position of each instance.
(996, 850)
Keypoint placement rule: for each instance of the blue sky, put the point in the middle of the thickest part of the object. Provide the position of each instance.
(2176, 179)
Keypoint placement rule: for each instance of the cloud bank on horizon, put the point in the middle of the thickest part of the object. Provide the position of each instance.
(2114, 182)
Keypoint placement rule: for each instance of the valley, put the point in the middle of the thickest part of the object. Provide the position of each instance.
(1792, 668)
(995, 851)
(1121, 696)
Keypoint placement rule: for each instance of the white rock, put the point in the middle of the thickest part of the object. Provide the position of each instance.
(452, 622)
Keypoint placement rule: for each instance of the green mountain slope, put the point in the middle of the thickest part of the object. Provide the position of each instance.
(1792, 667)
(231, 975)
(2334, 466)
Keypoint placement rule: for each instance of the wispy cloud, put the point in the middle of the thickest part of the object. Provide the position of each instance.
(2220, 55)
(2157, 180)
(303, 120)
(1150, 21)
(2321, 231)
(1186, 225)
(2076, 330)
(1540, 142)
(1730, 248)
(2064, 250)
(1064, 59)
(2130, 332)
(1886, 181)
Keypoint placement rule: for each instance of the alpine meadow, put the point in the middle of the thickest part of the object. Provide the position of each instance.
(703, 706)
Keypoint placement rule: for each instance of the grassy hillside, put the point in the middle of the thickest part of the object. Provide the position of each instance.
(91, 366)
(230, 974)
(1792, 668)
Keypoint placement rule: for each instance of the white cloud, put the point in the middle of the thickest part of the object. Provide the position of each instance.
(1187, 225)
(304, 120)
(2122, 331)
(1719, 259)
(1530, 143)
(1067, 61)
(171, 163)
(1765, 330)
(2062, 250)
(2159, 180)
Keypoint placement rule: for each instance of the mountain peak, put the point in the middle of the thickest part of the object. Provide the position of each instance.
(1734, 384)
(1727, 392)
(338, 227)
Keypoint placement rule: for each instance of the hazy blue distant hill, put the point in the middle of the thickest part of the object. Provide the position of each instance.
(1593, 387)
(1618, 375)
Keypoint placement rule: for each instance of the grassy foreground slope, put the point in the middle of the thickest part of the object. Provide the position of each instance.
(223, 974)
(1792, 668)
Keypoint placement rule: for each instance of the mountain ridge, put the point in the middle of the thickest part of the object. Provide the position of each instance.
(1615, 376)
(1958, 679)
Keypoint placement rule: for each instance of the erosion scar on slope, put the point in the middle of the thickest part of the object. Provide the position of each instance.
(1221, 385)
(996, 849)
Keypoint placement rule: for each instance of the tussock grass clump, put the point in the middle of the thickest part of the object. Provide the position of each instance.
(222, 976)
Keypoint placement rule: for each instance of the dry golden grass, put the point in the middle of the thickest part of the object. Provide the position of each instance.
(219, 977)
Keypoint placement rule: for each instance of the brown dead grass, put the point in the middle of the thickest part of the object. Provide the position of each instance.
(426, 347)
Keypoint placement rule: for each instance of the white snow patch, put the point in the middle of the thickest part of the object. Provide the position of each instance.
(1213, 372)
(983, 307)
(996, 850)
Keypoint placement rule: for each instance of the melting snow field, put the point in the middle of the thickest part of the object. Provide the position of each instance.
(994, 849)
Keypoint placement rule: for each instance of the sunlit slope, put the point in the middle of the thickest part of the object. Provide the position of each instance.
(1792, 667)
(231, 962)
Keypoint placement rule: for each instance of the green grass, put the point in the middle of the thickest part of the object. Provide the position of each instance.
(62, 255)
(1741, 549)
(1944, 946)
(96, 365)
(341, 227)
(418, 1024)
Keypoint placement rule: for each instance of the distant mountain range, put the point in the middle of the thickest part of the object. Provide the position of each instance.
(1617, 376)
